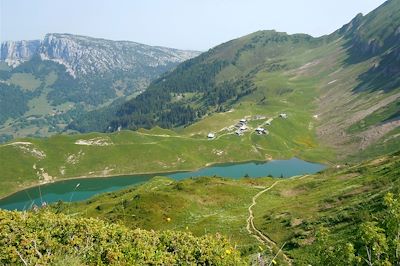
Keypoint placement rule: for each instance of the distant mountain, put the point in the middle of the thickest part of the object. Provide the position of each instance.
(209, 83)
(13, 53)
(82, 55)
(45, 84)
(353, 76)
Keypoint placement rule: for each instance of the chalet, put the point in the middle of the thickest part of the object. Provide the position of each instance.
(283, 115)
(259, 117)
(243, 128)
(243, 121)
(261, 130)
(239, 132)
(211, 135)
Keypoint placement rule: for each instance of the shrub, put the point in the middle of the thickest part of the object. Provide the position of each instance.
(48, 238)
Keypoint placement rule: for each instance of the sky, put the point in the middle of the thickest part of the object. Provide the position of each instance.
(184, 24)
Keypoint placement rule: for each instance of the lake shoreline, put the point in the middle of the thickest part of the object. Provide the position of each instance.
(150, 173)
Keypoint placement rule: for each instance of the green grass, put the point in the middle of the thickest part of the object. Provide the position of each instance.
(291, 212)
(26, 81)
(337, 199)
(161, 150)
(200, 206)
(136, 152)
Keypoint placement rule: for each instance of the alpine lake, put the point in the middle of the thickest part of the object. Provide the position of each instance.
(84, 188)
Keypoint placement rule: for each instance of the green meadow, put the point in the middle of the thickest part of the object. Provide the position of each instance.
(291, 213)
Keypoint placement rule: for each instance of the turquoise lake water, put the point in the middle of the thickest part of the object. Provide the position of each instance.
(81, 189)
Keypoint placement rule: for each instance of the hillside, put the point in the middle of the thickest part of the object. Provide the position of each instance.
(35, 161)
(344, 84)
(264, 96)
(46, 239)
(290, 212)
(265, 74)
(46, 84)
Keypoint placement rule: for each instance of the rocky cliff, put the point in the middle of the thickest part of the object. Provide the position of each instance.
(83, 55)
(14, 52)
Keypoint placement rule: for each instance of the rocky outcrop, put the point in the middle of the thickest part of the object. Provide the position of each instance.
(83, 55)
(15, 52)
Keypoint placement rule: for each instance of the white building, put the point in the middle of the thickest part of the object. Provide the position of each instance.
(243, 128)
(261, 130)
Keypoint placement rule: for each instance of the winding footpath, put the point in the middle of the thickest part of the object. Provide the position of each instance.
(251, 228)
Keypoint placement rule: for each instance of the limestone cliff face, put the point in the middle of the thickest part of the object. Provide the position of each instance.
(13, 52)
(83, 55)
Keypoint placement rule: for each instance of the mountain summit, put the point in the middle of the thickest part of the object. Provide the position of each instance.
(44, 84)
(352, 77)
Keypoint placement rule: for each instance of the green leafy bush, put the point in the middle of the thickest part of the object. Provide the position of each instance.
(47, 238)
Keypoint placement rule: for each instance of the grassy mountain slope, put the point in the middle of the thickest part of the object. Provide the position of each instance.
(33, 161)
(200, 205)
(291, 212)
(338, 82)
(310, 79)
(341, 107)
(210, 82)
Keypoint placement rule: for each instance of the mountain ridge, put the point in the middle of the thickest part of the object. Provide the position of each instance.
(46, 83)
(354, 76)
(74, 51)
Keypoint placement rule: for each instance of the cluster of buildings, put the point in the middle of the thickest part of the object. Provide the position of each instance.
(242, 127)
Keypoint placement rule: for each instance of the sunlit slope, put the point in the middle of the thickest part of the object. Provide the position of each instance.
(342, 88)
(291, 212)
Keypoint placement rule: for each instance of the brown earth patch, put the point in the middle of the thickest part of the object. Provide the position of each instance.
(377, 162)
(296, 222)
(347, 176)
(291, 192)
(356, 191)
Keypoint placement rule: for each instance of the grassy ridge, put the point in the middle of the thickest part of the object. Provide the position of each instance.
(201, 205)
(337, 199)
(291, 212)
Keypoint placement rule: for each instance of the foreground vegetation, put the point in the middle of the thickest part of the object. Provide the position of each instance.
(43, 238)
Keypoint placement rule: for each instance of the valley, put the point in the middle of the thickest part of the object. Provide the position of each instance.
(77, 189)
(274, 148)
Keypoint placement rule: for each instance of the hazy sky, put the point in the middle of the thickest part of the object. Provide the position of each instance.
(186, 24)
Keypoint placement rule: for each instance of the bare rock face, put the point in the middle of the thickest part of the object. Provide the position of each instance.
(83, 55)
(15, 52)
